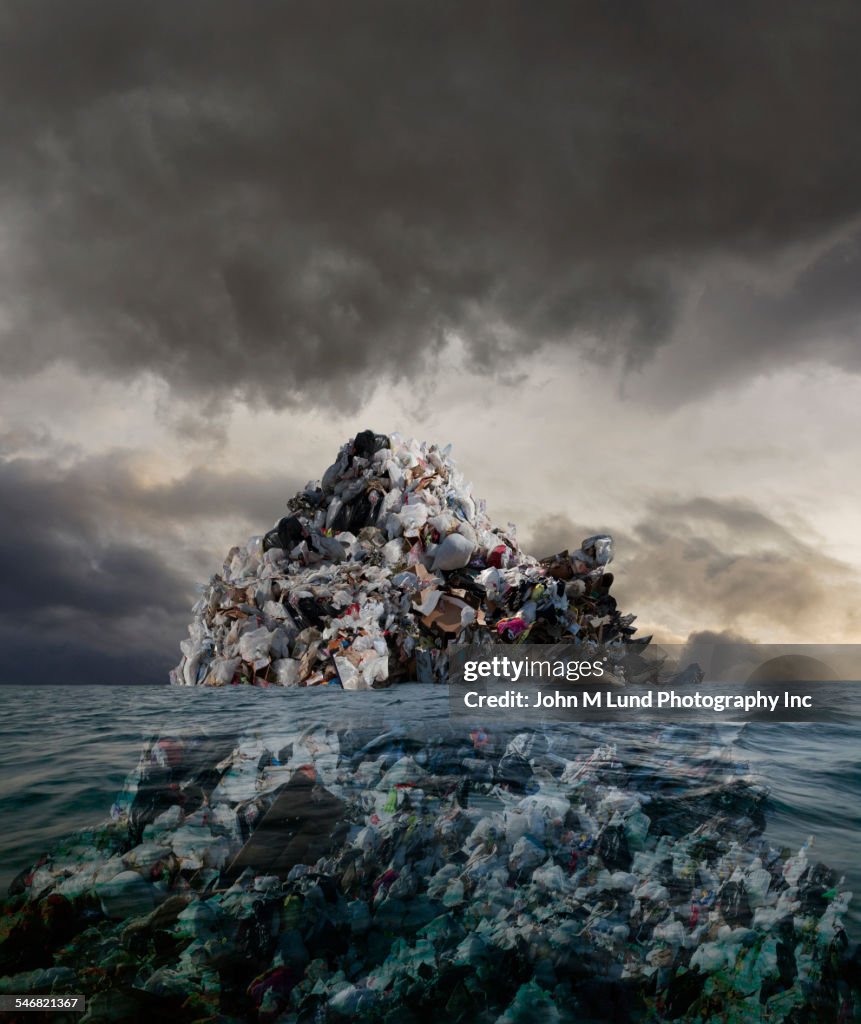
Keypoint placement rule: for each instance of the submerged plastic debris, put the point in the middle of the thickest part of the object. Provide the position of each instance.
(323, 874)
(378, 566)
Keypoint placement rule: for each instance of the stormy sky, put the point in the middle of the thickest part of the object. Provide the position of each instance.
(611, 252)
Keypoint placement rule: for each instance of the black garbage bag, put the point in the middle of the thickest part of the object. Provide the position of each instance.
(364, 444)
(514, 771)
(303, 823)
(287, 534)
(735, 906)
(362, 513)
(613, 849)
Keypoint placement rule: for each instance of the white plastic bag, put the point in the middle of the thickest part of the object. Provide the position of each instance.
(286, 671)
(413, 518)
(254, 647)
(453, 553)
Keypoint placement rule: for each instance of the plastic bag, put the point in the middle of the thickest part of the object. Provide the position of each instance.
(286, 671)
(453, 553)
(254, 646)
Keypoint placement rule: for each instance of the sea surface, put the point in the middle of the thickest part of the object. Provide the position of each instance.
(65, 752)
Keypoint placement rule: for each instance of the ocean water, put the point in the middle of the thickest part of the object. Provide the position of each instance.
(66, 751)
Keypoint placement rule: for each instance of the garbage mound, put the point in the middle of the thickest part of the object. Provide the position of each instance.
(318, 875)
(378, 566)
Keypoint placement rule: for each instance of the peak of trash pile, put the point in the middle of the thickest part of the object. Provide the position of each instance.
(380, 565)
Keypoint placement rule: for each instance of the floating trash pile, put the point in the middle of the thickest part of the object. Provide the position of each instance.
(377, 568)
(322, 875)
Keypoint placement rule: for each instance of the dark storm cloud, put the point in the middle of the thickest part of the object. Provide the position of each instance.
(272, 198)
(203, 494)
(743, 324)
(87, 594)
(729, 563)
(823, 303)
(73, 595)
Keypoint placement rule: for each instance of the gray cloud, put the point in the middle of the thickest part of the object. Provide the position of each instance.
(291, 197)
(551, 534)
(99, 569)
(726, 565)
